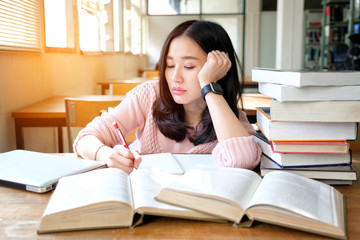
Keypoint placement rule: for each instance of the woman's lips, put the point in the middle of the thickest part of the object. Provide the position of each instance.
(178, 91)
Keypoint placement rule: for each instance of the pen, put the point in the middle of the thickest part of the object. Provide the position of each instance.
(123, 142)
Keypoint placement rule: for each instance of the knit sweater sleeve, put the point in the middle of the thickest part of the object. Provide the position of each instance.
(239, 152)
(130, 114)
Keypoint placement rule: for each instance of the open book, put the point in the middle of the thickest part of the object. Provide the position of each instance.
(279, 198)
(109, 198)
(162, 162)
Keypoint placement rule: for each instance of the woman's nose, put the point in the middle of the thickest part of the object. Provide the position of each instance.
(176, 75)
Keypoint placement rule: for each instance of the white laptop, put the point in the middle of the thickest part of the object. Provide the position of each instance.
(40, 172)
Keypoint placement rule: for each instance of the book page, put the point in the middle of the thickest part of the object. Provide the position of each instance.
(298, 194)
(146, 184)
(234, 184)
(189, 161)
(161, 162)
(108, 184)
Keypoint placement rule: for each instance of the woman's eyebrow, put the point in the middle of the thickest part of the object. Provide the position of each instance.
(184, 57)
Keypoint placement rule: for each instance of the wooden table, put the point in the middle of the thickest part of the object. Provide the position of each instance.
(253, 100)
(47, 113)
(21, 211)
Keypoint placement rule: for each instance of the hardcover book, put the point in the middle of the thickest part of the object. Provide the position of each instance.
(341, 172)
(294, 130)
(319, 111)
(280, 198)
(315, 147)
(302, 78)
(284, 93)
(287, 160)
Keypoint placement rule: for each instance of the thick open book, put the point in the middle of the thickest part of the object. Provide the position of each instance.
(110, 198)
(279, 198)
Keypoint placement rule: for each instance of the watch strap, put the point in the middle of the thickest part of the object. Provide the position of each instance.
(212, 87)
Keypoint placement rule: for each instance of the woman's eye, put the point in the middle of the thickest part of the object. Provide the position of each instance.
(189, 67)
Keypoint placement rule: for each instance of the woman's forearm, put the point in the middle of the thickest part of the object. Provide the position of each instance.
(226, 123)
(88, 147)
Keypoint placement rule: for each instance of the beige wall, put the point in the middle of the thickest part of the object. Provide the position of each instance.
(26, 78)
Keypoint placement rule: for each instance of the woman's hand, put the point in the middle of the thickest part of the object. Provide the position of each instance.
(120, 157)
(215, 68)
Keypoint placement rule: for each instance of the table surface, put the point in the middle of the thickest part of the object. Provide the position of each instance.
(53, 107)
(21, 211)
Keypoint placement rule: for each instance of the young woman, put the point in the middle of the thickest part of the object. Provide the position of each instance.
(193, 108)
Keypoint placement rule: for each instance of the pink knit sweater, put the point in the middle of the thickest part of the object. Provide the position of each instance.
(136, 111)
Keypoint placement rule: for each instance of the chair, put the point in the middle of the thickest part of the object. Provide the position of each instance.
(151, 74)
(82, 110)
(121, 88)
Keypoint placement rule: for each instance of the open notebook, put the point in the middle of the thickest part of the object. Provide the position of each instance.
(40, 172)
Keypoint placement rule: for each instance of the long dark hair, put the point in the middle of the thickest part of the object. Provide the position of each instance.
(168, 115)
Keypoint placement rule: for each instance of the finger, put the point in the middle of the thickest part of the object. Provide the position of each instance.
(123, 151)
(223, 56)
(117, 160)
(123, 156)
(137, 159)
(217, 53)
(117, 163)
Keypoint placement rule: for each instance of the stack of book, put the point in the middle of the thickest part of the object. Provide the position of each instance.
(312, 117)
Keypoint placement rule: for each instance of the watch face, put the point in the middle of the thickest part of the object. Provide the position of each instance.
(216, 88)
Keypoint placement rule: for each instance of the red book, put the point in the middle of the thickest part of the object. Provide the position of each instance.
(327, 10)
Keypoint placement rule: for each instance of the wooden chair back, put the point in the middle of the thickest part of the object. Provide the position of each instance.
(151, 74)
(122, 88)
(82, 110)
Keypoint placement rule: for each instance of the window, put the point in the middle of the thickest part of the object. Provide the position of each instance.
(230, 14)
(173, 7)
(176, 7)
(20, 25)
(72, 25)
(97, 27)
(133, 26)
(59, 24)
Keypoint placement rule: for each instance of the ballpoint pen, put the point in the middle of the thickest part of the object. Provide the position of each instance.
(123, 141)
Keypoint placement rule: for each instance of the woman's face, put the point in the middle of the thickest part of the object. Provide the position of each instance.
(183, 64)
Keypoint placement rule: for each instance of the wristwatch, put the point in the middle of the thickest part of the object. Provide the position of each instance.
(212, 87)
